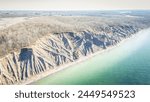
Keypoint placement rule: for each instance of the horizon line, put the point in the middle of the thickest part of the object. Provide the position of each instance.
(75, 9)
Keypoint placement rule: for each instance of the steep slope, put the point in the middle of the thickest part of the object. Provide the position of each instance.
(43, 43)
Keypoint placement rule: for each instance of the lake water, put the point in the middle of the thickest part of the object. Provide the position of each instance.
(127, 64)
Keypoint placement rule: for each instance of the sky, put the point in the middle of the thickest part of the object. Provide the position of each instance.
(75, 4)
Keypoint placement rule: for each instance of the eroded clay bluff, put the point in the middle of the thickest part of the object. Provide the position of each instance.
(41, 44)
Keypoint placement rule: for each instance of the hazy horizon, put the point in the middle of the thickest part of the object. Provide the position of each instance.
(74, 5)
(75, 10)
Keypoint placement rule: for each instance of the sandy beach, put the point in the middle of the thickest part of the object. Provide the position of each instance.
(80, 60)
(36, 47)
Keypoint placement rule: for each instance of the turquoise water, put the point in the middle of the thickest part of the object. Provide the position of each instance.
(127, 64)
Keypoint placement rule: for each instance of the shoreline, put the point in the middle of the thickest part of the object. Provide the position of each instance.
(80, 60)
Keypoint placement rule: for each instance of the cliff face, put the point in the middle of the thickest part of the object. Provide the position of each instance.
(55, 48)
